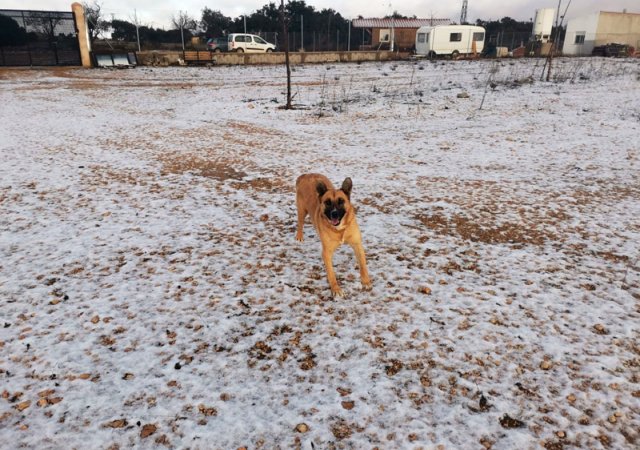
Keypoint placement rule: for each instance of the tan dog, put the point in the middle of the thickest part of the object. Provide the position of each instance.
(334, 219)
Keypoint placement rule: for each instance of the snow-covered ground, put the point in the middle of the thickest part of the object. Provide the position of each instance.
(153, 294)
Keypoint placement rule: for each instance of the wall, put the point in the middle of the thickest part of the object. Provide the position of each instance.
(83, 34)
(618, 28)
(165, 58)
(588, 25)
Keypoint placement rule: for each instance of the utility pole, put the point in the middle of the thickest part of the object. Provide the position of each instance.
(463, 13)
(553, 42)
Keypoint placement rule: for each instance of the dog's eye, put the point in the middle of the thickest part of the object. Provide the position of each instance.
(327, 203)
(340, 201)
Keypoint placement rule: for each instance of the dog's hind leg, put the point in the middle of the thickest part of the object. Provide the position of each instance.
(302, 213)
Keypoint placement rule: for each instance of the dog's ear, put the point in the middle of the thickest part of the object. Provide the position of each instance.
(347, 185)
(321, 188)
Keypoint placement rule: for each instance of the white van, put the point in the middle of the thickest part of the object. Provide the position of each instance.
(452, 40)
(250, 43)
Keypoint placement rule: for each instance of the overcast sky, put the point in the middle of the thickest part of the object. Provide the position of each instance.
(158, 13)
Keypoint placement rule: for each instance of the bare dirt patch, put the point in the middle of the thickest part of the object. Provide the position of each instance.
(103, 175)
(488, 233)
(248, 128)
(218, 169)
(265, 184)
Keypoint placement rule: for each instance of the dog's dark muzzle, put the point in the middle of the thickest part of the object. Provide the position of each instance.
(335, 215)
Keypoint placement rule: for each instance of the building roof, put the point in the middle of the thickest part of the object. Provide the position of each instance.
(398, 23)
(620, 12)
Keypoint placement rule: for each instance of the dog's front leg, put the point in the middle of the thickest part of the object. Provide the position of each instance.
(302, 213)
(362, 263)
(327, 257)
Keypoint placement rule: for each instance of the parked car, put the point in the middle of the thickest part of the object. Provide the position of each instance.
(250, 43)
(220, 44)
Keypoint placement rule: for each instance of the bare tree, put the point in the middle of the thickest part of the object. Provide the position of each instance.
(95, 20)
(183, 22)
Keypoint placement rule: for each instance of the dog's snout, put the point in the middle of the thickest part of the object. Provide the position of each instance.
(335, 214)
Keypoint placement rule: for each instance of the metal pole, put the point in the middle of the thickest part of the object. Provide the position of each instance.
(349, 39)
(245, 24)
(28, 46)
(135, 14)
(285, 26)
(328, 47)
(54, 44)
(182, 29)
(301, 32)
(393, 37)
(338, 41)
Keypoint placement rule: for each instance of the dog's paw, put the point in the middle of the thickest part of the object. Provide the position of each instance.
(366, 286)
(299, 237)
(337, 292)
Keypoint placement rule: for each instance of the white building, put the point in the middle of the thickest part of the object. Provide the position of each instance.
(584, 33)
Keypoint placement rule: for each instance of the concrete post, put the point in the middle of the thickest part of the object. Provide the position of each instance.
(83, 34)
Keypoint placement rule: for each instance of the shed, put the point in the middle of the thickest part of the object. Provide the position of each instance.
(378, 33)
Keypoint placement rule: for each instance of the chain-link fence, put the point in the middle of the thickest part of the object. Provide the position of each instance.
(38, 38)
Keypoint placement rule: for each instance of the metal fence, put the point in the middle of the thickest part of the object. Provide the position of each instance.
(509, 39)
(38, 38)
(310, 41)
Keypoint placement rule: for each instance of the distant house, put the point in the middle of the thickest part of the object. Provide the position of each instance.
(585, 33)
(378, 33)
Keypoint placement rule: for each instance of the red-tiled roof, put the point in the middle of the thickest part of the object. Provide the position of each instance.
(398, 23)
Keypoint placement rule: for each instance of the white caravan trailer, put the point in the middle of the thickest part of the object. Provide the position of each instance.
(450, 40)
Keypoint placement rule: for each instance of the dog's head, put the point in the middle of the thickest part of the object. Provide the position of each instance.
(335, 203)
